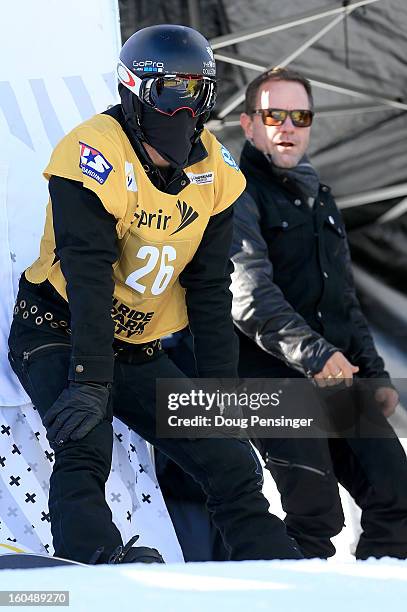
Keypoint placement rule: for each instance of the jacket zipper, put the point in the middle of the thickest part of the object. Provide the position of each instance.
(27, 354)
(288, 464)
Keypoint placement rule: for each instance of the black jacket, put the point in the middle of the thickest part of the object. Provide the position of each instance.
(293, 286)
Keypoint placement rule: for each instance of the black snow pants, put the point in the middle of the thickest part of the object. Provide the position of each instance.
(307, 473)
(81, 521)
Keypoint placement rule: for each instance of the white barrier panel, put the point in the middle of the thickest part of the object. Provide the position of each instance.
(56, 70)
(59, 71)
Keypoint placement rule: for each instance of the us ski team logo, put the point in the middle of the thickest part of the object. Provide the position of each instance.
(93, 163)
(188, 215)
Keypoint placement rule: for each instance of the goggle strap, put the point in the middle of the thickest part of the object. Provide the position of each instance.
(128, 78)
(209, 95)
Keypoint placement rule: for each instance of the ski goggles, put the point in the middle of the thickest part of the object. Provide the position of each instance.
(277, 116)
(169, 93)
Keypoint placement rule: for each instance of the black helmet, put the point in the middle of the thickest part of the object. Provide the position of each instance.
(169, 68)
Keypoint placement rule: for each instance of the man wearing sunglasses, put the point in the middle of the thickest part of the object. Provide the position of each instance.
(295, 306)
(136, 246)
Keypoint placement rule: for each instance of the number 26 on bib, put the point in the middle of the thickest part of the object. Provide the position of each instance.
(157, 264)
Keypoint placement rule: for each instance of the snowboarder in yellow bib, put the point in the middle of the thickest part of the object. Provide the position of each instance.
(135, 246)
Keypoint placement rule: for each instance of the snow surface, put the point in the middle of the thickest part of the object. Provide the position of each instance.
(340, 584)
(281, 586)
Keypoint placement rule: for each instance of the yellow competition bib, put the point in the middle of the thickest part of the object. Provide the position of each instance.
(158, 233)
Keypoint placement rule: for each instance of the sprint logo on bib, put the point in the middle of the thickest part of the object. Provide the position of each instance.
(94, 164)
(227, 156)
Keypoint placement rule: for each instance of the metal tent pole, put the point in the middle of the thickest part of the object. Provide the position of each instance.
(236, 99)
(376, 195)
(316, 81)
(278, 26)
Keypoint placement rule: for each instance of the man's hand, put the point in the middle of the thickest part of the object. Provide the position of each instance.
(387, 398)
(79, 408)
(336, 370)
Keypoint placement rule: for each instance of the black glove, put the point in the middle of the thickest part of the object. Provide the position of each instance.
(79, 408)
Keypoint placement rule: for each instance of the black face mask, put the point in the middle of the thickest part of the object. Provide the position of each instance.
(172, 137)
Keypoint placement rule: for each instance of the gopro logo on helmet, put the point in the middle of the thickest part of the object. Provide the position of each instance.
(148, 66)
